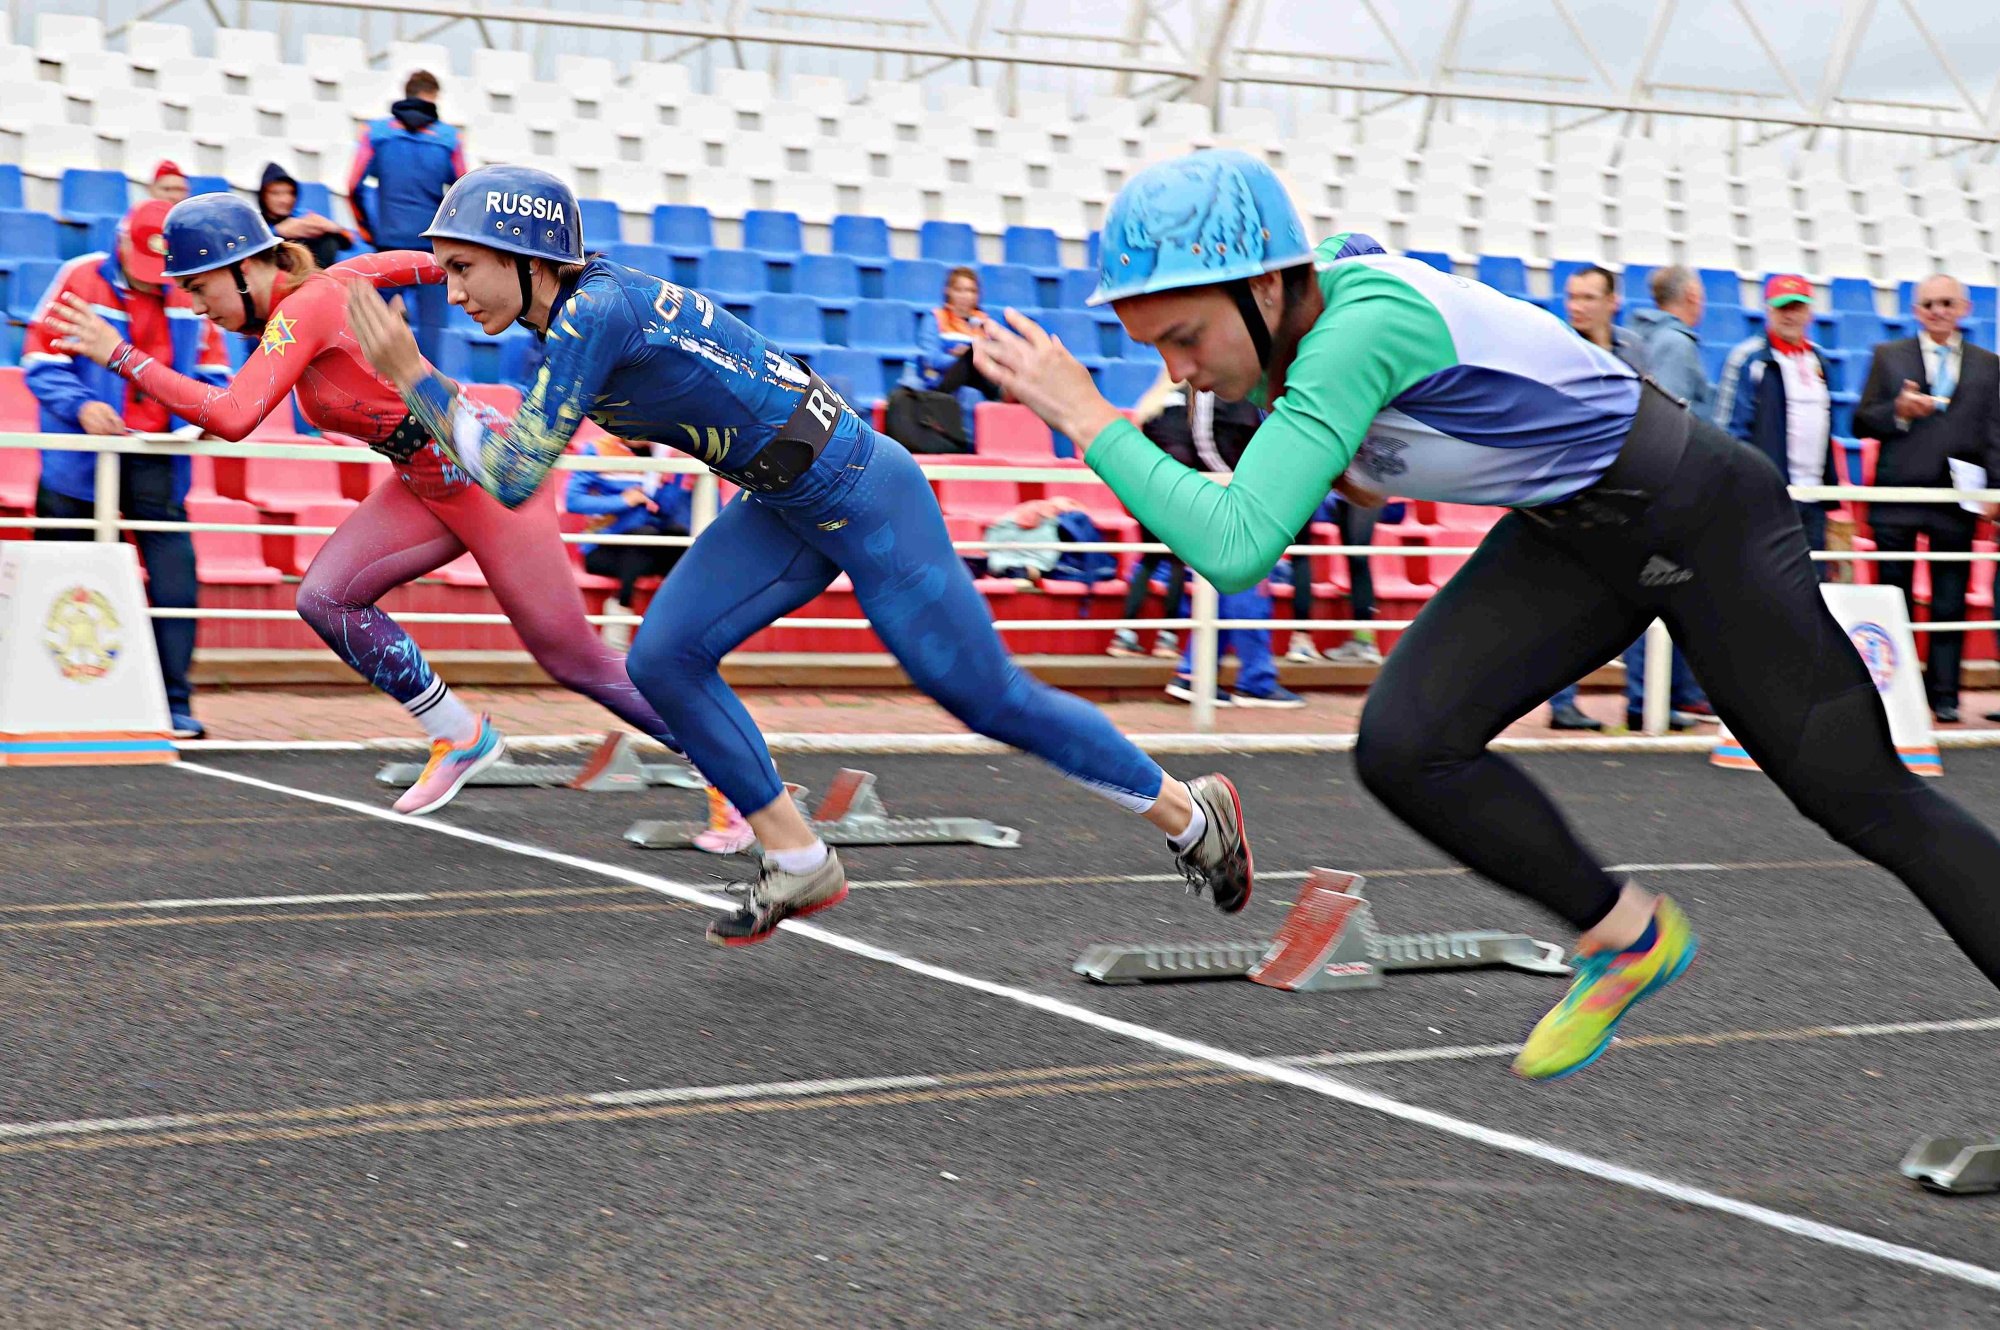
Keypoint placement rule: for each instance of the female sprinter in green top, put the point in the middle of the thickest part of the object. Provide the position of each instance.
(1390, 377)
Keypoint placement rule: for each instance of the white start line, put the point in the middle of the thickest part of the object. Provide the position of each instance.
(1269, 1069)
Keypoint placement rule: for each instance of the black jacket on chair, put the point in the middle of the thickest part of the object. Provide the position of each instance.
(1969, 429)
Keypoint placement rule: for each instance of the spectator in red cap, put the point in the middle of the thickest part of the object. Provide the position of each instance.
(129, 288)
(169, 182)
(1775, 396)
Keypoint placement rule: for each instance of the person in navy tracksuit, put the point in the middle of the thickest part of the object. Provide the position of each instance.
(413, 158)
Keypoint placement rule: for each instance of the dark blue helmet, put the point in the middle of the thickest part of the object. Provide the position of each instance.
(513, 208)
(211, 231)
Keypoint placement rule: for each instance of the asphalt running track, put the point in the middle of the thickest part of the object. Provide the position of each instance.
(273, 1061)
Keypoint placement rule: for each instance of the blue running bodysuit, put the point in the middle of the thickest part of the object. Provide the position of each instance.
(649, 360)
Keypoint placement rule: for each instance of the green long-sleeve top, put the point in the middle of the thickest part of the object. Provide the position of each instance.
(1429, 386)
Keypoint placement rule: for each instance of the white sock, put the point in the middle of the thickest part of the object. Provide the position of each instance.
(442, 715)
(798, 862)
(1189, 835)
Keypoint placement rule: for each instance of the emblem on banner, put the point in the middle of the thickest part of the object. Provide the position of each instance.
(1878, 652)
(82, 634)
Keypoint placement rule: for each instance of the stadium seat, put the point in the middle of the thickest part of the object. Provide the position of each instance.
(984, 500)
(861, 237)
(1033, 247)
(23, 283)
(283, 485)
(469, 355)
(948, 242)
(883, 325)
(229, 558)
(28, 235)
(1010, 431)
(1508, 276)
(772, 232)
(1078, 332)
(10, 186)
(793, 322)
(207, 184)
(655, 259)
(1124, 382)
(855, 375)
(734, 272)
(683, 228)
(602, 224)
(918, 281)
(831, 279)
(1003, 284)
(1440, 261)
(1077, 286)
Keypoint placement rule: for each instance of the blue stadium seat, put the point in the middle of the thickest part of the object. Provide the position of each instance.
(12, 335)
(772, 232)
(734, 272)
(1722, 286)
(602, 225)
(1723, 323)
(1033, 247)
(792, 322)
(1003, 284)
(683, 228)
(28, 235)
(93, 194)
(1131, 350)
(918, 281)
(1981, 332)
(1078, 331)
(10, 186)
(884, 325)
(860, 237)
(1505, 275)
(1440, 261)
(948, 242)
(855, 375)
(23, 283)
(1124, 382)
(1853, 294)
(315, 197)
(654, 259)
(1077, 284)
(470, 356)
(1712, 356)
(1985, 301)
(828, 278)
(215, 184)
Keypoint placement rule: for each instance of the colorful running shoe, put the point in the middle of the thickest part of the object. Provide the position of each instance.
(450, 767)
(1220, 860)
(728, 832)
(1608, 983)
(779, 896)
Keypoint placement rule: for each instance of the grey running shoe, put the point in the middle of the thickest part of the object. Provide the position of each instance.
(1220, 860)
(1354, 651)
(1125, 642)
(1301, 648)
(779, 896)
(1166, 646)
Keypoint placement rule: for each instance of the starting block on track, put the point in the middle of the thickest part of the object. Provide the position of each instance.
(1955, 1164)
(615, 765)
(1328, 941)
(851, 814)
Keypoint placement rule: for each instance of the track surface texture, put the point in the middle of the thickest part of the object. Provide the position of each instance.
(420, 1110)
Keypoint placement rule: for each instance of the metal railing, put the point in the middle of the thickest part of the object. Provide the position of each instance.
(1203, 622)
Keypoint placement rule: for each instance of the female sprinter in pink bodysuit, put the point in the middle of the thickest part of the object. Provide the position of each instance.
(431, 514)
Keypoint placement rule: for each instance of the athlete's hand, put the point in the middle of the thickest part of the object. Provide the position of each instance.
(384, 337)
(1043, 376)
(84, 331)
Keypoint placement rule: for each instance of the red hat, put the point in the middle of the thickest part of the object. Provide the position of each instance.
(1787, 289)
(145, 227)
(166, 168)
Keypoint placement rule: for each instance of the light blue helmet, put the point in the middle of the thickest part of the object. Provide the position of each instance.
(1212, 216)
(513, 208)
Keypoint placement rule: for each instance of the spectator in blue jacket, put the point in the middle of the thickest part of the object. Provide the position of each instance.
(1775, 397)
(1668, 338)
(628, 503)
(77, 396)
(944, 343)
(413, 158)
(278, 200)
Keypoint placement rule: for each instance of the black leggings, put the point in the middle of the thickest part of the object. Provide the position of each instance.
(629, 563)
(1142, 581)
(1537, 607)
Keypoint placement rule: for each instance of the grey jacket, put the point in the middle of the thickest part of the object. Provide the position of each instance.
(1673, 352)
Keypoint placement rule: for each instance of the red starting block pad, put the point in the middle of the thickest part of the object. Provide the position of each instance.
(1327, 942)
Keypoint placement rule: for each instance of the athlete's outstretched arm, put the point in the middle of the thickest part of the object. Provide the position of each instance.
(233, 409)
(584, 338)
(392, 268)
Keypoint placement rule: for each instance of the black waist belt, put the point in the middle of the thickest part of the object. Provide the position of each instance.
(1646, 462)
(404, 442)
(800, 441)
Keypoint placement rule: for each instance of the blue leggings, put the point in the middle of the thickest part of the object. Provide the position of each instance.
(865, 509)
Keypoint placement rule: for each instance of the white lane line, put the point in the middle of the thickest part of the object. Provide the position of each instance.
(787, 1089)
(14, 1131)
(1266, 1068)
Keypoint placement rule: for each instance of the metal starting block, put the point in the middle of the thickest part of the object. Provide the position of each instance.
(614, 765)
(851, 814)
(1955, 1164)
(1328, 941)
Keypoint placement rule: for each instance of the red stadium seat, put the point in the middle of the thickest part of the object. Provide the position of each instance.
(20, 472)
(229, 558)
(20, 413)
(1011, 431)
(331, 513)
(984, 499)
(502, 397)
(282, 485)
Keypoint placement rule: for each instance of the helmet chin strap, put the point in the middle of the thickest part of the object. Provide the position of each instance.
(253, 322)
(1253, 319)
(527, 294)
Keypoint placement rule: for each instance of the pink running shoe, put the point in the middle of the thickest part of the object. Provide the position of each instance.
(449, 768)
(727, 832)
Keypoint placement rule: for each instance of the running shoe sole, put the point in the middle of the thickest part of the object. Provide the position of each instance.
(1611, 1031)
(1181, 692)
(1275, 703)
(1249, 860)
(476, 766)
(753, 938)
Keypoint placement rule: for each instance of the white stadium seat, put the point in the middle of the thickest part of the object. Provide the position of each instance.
(1906, 263)
(182, 78)
(33, 104)
(58, 35)
(239, 50)
(896, 102)
(500, 73)
(723, 193)
(662, 84)
(544, 105)
(50, 149)
(327, 58)
(1043, 108)
(897, 202)
(84, 72)
(145, 149)
(149, 43)
(815, 200)
(118, 111)
(824, 93)
(217, 118)
(244, 159)
(586, 74)
(406, 58)
(497, 140)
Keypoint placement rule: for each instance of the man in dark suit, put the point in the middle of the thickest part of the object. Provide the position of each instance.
(1930, 398)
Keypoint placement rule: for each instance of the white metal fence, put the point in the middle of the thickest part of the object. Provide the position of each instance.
(1204, 621)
